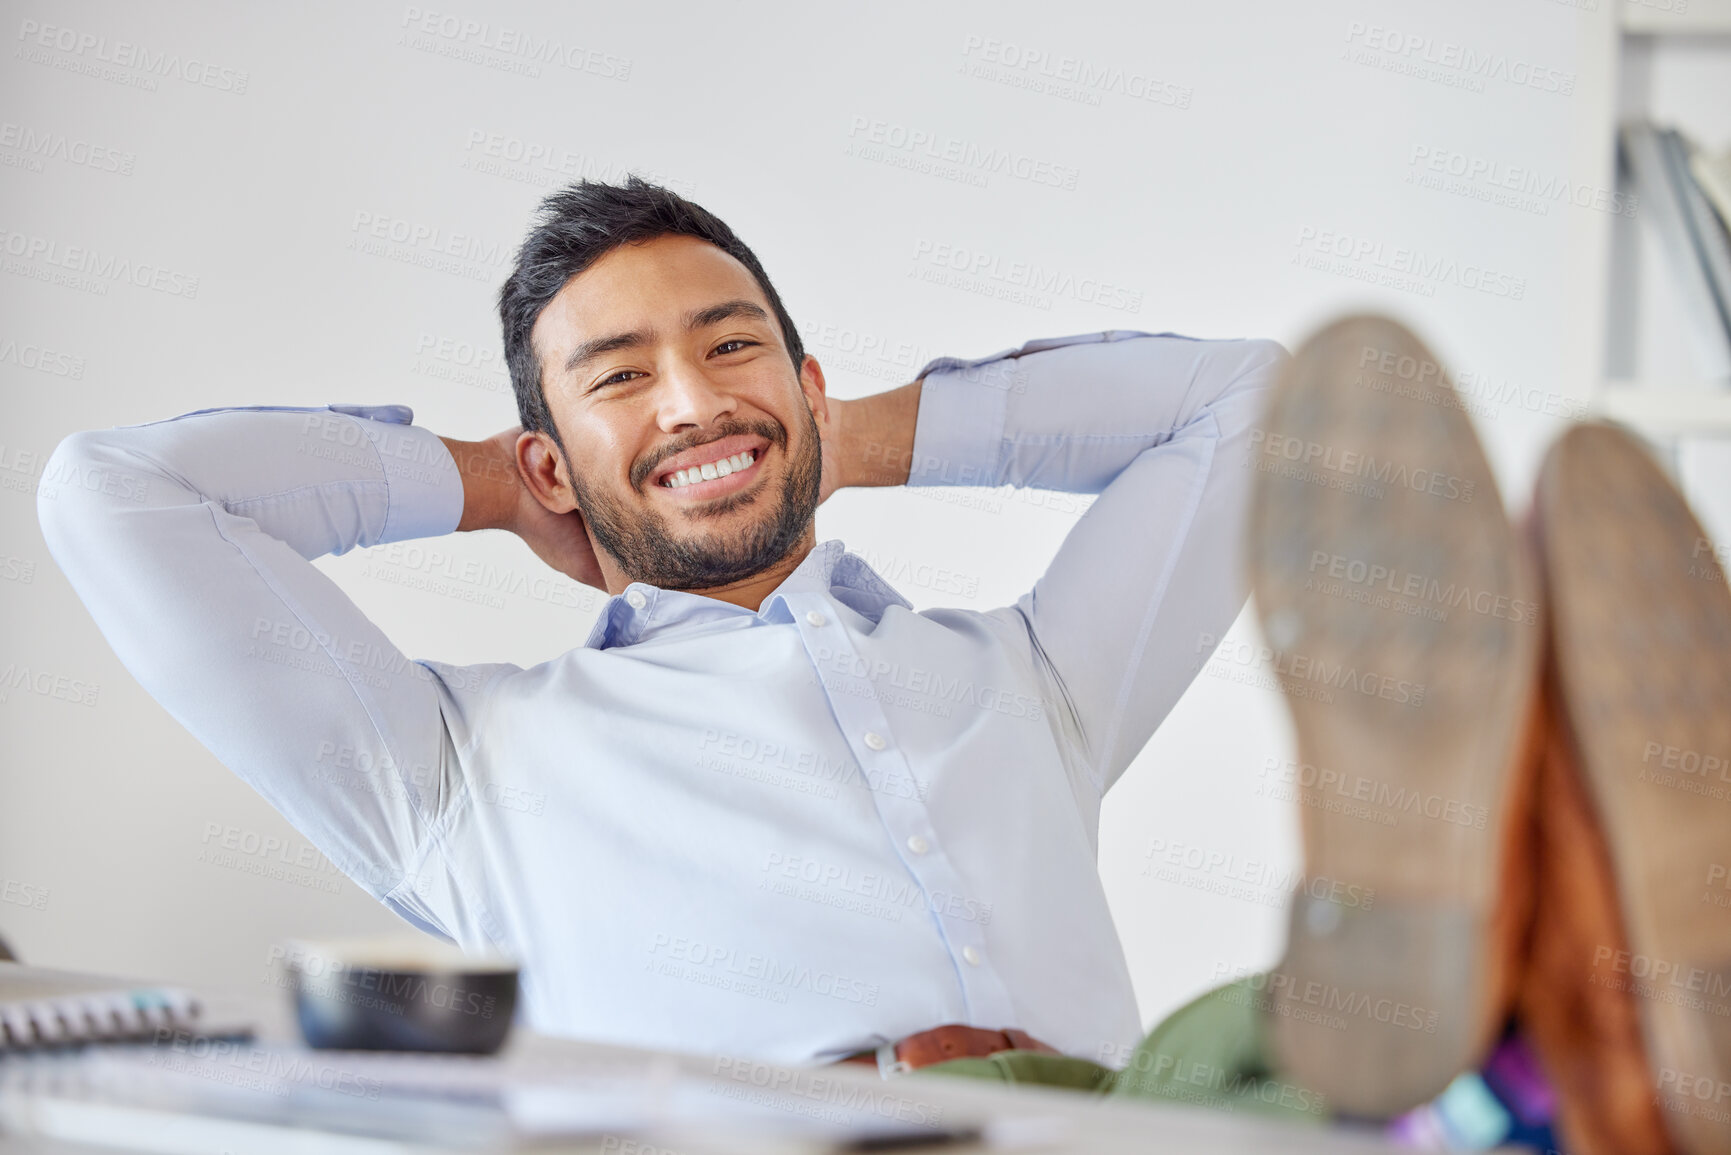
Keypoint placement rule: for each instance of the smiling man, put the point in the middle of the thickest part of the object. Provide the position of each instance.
(764, 808)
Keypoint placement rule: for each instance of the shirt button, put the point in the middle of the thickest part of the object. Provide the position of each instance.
(816, 618)
(972, 954)
(875, 740)
(636, 600)
(918, 845)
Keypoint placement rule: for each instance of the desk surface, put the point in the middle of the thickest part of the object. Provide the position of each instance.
(138, 1100)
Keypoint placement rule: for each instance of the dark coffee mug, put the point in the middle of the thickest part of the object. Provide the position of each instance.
(396, 995)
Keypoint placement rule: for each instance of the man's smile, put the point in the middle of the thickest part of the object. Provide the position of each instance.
(712, 470)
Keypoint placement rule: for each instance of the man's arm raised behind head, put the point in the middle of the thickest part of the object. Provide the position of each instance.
(190, 541)
(495, 496)
(1158, 426)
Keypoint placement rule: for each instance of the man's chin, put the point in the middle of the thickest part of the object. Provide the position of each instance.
(715, 507)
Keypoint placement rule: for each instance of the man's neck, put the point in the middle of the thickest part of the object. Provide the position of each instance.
(748, 593)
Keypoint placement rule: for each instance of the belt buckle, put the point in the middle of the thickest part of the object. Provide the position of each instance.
(889, 1066)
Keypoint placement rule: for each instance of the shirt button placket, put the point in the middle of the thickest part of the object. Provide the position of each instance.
(904, 816)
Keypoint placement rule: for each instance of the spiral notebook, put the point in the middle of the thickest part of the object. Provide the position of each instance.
(49, 1008)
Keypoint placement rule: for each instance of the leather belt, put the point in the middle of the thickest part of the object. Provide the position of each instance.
(950, 1041)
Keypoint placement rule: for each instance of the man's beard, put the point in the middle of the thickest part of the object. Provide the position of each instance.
(640, 542)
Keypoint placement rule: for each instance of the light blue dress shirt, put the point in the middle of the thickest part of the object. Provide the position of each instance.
(789, 834)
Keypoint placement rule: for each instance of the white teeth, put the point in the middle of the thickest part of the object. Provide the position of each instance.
(710, 471)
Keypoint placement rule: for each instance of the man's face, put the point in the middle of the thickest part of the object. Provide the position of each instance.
(663, 355)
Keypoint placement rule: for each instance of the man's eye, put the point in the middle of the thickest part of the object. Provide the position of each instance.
(615, 379)
(722, 348)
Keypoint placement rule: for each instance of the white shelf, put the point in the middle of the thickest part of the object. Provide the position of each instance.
(1662, 18)
(1658, 411)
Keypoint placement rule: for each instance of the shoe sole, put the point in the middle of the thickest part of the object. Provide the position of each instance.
(1642, 643)
(1402, 612)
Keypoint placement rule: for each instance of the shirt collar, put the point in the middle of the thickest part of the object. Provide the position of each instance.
(828, 569)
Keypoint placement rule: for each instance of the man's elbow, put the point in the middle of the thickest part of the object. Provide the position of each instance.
(1264, 359)
(87, 473)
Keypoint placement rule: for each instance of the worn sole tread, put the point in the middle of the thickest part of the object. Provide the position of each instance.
(1643, 650)
(1403, 612)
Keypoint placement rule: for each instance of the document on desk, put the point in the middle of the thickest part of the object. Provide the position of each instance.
(488, 1103)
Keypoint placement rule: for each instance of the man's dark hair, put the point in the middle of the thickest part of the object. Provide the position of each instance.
(576, 227)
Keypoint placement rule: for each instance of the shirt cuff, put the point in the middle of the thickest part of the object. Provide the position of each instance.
(959, 431)
(426, 489)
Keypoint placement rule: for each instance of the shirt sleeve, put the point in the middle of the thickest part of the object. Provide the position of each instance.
(1157, 426)
(189, 541)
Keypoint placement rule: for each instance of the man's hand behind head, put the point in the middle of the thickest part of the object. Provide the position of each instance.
(559, 539)
(496, 496)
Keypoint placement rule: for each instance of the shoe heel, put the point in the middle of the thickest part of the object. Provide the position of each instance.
(1369, 1006)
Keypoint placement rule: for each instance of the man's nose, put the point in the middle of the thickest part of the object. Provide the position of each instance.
(689, 396)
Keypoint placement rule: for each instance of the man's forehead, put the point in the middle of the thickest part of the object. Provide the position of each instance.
(645, 285)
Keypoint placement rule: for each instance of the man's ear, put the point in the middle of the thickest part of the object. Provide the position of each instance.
(811, 385)
(543, 470)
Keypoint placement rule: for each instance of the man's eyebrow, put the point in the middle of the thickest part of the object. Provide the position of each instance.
(587, 351)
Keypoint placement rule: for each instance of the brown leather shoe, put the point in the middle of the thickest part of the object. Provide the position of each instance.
(1403, 617)
(1628, 994)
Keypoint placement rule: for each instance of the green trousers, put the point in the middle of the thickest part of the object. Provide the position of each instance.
(1209, 1052)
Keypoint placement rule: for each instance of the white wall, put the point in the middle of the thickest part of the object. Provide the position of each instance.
(1265, 129)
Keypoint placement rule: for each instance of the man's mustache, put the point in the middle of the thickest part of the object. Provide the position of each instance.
(769, 430)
